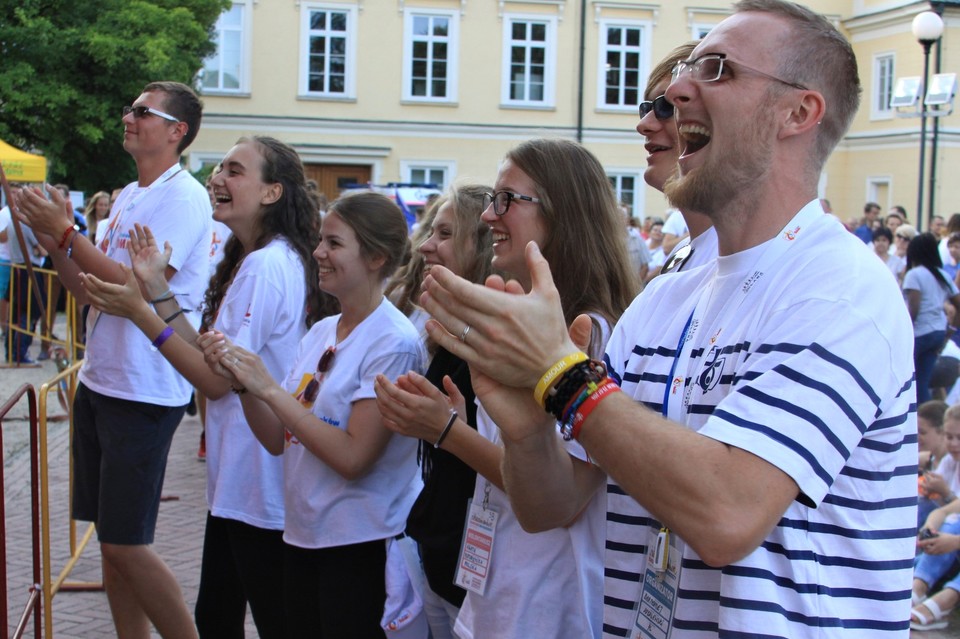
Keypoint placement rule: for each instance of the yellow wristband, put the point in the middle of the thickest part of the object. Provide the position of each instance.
(554, 372)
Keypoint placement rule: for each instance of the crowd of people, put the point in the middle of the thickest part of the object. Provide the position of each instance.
(520, 422)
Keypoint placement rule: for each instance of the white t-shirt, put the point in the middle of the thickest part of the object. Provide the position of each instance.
(949, 469)
(931, 316)
(218, 240)
(814, 374)
(6, 225)
(263, 311)
(120, 361)
(12, 245)
(675, 224)
(322, 508)
(546, 584)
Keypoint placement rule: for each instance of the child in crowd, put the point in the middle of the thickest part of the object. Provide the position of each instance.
(933, 450)
(939, 538)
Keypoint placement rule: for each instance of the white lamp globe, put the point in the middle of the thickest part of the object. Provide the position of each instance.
(927, 26)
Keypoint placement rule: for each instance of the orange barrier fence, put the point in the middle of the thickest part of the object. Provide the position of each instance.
(33, 605)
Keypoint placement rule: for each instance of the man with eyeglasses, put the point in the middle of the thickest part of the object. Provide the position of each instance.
(762, 442)
(130, 399)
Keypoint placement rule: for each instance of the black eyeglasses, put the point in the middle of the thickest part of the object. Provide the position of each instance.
(501, 201)
(662, 109)
(709, 68)
(313, 386)
(143, 111)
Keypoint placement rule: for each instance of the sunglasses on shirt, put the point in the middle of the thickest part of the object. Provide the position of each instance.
(313, 386)
(662, 109)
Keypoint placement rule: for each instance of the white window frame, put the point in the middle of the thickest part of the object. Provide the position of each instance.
(449, 167)
(646, 29)
(453, 54)
(879, 111)
(550, 62)
(699, 30)
(350, 63)
(874, 182)
(246, 46)
(639, 188)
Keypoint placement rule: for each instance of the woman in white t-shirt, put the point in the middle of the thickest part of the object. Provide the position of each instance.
(926, 288)
(348, 481)
(547, 584)
(264, 296)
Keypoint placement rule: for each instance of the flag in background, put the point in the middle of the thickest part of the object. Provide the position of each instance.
(411, 218)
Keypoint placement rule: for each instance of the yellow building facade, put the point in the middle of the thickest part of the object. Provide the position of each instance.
(430, 91)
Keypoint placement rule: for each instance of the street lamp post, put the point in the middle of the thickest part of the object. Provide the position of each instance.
(927, 28)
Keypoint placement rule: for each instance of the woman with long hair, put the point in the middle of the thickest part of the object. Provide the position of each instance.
(456, 238)
(348, 481)
(96, 210)
(556, 193)
(263, 295)
(926, 288)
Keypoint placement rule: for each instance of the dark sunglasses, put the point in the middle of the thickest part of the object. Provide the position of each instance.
(678, 259)
(661, 108)
(313, 386)
(143, 111)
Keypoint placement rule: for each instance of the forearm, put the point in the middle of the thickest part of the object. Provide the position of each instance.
(263, 422)
(84, 258)
(476, 451)
(721, 500)
(350, 452)
(182, 354)
(548, 488)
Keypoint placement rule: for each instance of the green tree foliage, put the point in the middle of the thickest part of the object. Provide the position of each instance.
(68, 66)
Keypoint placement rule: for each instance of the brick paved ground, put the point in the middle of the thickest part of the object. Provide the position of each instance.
(85, 615)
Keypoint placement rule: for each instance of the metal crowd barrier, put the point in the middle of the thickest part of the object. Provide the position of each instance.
(46, 585)
(34, 603)
(72, 344)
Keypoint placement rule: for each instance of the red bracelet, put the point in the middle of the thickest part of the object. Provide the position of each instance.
(606, 389)
(66, 236)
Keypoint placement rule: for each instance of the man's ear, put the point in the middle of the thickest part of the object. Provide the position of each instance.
(805, 114)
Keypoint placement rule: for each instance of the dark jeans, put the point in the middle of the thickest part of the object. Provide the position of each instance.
(926, 348)
(241, 563)
(26, 318)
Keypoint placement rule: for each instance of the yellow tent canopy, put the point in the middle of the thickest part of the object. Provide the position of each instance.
(21, 166)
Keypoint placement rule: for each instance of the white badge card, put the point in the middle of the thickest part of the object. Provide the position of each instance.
(476, 549)
(661, 579)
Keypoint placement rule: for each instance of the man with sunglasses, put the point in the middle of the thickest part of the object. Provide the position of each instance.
(658, 127)
(130, 399)
(760, 440)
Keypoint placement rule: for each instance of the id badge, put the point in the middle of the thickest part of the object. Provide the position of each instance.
(661, 578)
(476, 548)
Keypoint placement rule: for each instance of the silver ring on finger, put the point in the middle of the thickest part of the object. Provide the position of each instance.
(464, 333)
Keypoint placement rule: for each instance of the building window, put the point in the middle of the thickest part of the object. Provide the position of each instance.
(438, 174)
(625, 186)
(529, 61)
(226, 70)
(328, 46)
(624, 57)
(883, 81)
(430, 56)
